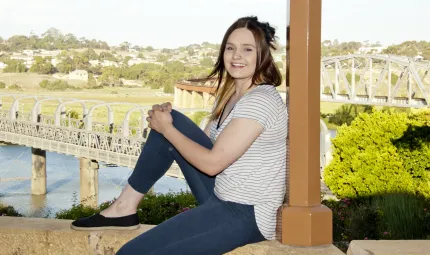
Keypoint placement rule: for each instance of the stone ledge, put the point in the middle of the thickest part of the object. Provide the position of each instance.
(389, 247)
(34, 236)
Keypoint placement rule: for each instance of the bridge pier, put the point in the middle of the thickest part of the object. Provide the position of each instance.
(38, 171)
(89, 183)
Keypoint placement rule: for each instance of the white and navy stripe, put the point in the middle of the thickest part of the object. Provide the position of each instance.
(258, 177)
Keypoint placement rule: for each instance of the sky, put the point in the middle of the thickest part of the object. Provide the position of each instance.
(174, 23)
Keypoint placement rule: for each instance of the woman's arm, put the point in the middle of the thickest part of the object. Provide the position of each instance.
(207, 129)
(230, 145)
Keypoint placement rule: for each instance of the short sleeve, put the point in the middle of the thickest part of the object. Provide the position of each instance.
(259, 106)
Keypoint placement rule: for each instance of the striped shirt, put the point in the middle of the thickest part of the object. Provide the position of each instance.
(258, 177)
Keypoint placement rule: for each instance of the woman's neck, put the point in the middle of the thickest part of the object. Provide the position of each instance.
(242, 86)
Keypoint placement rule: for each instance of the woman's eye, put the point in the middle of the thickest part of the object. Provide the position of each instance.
(248, 49)
(229, 48)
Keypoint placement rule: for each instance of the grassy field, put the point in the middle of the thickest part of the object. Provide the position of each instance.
(130, 97)
(133, 96)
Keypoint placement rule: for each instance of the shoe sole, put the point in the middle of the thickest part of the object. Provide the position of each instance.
(104, 228)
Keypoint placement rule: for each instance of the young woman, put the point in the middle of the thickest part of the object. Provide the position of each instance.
(235, 168)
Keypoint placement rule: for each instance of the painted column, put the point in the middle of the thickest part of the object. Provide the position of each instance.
(197, 99)
(89, 184)
(186, 99)
(38, 172)
(178, 97)
(305, 222)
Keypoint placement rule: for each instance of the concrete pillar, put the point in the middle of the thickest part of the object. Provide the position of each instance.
(353, 79)
(305, 222)
(89, 183)
(206, 98)
(389, 82)
(38, 172)
(196, 99)
(178, 97)
(186, 99)
(370, 80)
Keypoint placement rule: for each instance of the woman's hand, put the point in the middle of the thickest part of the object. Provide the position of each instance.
(159, 118)
(166, 106)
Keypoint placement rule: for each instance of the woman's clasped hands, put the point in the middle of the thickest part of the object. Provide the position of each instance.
(159, 117)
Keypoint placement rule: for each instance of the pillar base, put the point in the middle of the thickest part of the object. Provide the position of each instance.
(38, 172)
(89, 190)
(307, 226)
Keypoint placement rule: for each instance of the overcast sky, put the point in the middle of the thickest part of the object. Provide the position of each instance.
(173, 23)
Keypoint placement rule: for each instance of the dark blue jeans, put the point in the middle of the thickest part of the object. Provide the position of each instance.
(214, 227)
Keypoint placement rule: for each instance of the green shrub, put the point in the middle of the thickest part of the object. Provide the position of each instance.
(152, 210)
(403, 216)
(349, 78)
(2, 85)
(58, 85)
(389, 216)
(197, 117)
(347, 113)
(8, 211)
(374, 156)
(15, 87)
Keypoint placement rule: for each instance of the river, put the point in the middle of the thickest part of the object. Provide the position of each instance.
(62, 182)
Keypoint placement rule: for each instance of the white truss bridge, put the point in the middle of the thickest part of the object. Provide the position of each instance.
(379, 80)
(117, 144)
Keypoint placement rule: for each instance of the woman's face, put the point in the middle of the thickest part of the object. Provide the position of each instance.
(240, 55)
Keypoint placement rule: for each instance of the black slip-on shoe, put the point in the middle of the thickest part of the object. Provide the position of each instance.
(100, 222)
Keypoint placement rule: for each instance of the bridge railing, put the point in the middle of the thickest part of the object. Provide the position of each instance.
(79, 142)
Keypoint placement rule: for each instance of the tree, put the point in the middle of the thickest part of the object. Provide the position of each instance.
(111, 77)
(15, 66)
(66, 65)
(125, 46)
(92, 83)
(162, 58)
(149, 49)
(42, 66)
(126, 59)
(206, 62)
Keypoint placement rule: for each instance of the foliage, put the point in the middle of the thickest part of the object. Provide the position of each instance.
(153, 209)
(15, 66)
(15, 87)
(52, 39)
(393, 216)
(8, 211)
(382, 152)
(349, 78)
(329, 48)
(347, 113)
(410, 49)
(197, 117)
(42, 66)
(2, 85)
(207, 62)
(58, 85)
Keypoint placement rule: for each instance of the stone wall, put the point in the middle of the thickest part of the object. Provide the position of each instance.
(33, 236)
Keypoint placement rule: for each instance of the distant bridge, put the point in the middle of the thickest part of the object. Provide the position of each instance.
(378, 80)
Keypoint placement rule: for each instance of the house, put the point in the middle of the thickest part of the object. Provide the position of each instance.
(28, 52)
(2, 65)
(109, 63)
(136, 61)
(79, 75)
(94, 62)
(418, 58)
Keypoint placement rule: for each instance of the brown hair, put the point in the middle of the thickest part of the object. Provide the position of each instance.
(266, 71)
